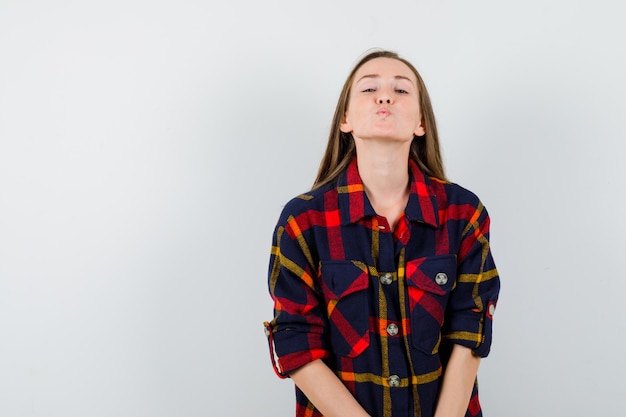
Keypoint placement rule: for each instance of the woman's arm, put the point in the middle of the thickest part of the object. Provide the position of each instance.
(458, 382)
(322, 387)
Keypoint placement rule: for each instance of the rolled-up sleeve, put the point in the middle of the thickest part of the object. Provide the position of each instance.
(298, 328)
(472, 302)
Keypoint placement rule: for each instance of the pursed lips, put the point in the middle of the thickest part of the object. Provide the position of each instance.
(383, 112)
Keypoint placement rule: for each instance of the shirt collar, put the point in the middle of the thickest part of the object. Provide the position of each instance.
(354, 204)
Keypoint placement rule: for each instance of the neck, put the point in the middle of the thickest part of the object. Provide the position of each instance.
(383, 168)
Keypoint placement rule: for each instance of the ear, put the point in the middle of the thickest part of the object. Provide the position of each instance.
(420, 130)
(345, 125)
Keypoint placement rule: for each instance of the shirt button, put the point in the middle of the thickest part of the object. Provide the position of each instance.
(492, 309)
(392, 329)
(441, 278)
(386, 278)
(394, 381)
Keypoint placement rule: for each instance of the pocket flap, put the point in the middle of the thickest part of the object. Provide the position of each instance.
(434, 274)
(344, 277)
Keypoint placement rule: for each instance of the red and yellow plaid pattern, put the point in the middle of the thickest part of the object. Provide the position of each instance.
(382, 307)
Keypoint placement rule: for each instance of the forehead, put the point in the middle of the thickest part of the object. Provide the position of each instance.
(385, 68)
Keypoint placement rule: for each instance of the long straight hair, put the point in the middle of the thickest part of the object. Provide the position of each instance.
(340, 149)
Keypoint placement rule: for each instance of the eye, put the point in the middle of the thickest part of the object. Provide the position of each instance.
(368, 90)
(401, 91)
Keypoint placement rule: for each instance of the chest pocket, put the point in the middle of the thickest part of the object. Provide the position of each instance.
(429, 282)
(344, 285)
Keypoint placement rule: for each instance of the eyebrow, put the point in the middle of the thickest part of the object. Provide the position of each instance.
(397, 77)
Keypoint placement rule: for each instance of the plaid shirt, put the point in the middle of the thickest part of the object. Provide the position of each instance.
(382, 308)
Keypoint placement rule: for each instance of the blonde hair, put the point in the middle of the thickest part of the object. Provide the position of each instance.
(340, 149)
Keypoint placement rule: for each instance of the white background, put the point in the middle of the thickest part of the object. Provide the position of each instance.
(147, 148)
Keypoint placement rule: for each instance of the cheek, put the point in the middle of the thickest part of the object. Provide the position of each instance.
(354, 114)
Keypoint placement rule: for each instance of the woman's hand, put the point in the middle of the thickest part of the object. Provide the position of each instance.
(458, 382)
(326, 391)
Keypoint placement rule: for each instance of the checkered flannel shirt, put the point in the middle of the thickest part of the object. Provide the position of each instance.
(382, 308)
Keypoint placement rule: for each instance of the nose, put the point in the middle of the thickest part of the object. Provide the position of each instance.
(383, 97)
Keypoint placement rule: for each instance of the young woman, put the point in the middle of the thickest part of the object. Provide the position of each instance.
(383, 282)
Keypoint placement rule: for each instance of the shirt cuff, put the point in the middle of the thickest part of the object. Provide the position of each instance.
(290, 350)
(472, 331)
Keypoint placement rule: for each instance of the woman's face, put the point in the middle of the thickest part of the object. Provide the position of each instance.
(383, 102)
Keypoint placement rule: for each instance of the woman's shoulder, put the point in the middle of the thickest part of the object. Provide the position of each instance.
(304, 203)
(455, 193)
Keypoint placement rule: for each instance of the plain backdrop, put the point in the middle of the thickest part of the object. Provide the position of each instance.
(147, 148)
